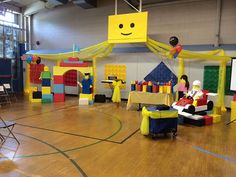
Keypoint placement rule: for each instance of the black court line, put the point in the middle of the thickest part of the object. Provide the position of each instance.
(78, 135)
(61, 152)
(128, 137)
(58, 109)
(67, 133)
(84, 136)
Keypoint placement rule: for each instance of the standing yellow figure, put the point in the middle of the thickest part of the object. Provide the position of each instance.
(116, 93)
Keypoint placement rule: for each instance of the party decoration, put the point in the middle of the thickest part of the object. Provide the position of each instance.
(38, 61)
(29, 59)
(127, 28)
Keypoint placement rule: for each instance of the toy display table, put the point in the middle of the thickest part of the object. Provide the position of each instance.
(155, 121)
(149, 98)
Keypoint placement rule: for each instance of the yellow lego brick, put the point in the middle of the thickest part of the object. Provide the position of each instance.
(36, 100)
(233, 111)
(216, 118)
(57, 70)
(88, 96)
(46, 90)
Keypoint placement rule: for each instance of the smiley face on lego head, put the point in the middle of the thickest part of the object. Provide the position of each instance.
(127, 28)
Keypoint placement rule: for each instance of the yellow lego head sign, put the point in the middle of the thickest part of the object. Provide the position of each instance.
(127, 28)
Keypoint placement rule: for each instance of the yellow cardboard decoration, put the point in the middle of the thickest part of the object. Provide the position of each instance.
(127, 28)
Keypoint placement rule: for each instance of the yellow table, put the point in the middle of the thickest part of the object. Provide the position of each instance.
(149, 98)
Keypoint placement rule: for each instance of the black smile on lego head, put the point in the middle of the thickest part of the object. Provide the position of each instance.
(132, 25)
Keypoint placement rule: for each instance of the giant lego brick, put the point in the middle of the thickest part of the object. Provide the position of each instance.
(62, 64)
(45, 100)
(197, 122)
(58, 79)
(36, 100)
(208, 120)
(59, 97)
(46, 90)
(211, 78)
(47, 96)
(89, 96)
(58, 88)
(216, 118)
(83, 101)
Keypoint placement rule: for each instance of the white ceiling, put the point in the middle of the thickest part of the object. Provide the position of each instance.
(21, 3)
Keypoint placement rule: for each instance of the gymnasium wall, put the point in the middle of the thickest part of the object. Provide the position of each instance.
(194, 23)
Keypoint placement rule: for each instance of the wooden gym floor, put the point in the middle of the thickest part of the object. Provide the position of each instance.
(67, 140)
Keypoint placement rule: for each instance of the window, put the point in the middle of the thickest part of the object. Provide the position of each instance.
(9, 34)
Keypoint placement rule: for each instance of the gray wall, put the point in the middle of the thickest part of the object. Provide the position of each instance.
(194, 23)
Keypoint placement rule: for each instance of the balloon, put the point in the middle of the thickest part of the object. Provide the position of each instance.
(34, 58)
(23, 57)
(38, 61)
(173, 51)
(29, 59)
(173, 41)
(178, 48)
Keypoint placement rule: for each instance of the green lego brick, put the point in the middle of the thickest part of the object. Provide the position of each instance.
(211, 78)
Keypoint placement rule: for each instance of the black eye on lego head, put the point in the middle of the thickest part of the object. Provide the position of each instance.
(121, 26)
(132, 25)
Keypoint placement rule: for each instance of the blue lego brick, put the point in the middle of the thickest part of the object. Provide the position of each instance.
(47, 96)
(58, 88)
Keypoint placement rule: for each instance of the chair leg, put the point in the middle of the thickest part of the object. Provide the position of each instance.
(2, 139)
(10, 131)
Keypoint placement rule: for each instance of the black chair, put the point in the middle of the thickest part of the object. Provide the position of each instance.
(10, 92)
(4, 97)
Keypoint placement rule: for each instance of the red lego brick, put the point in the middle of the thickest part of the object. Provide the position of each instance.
(74, 64)
(73, 59)
(58, 79)
(208, 120)
(59, 97)
(234, 98)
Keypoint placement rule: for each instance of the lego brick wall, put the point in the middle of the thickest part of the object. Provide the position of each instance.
(115, 70)
(211, 77)
(35, 71)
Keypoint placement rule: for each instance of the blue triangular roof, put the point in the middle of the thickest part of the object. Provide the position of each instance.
(162, 74)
